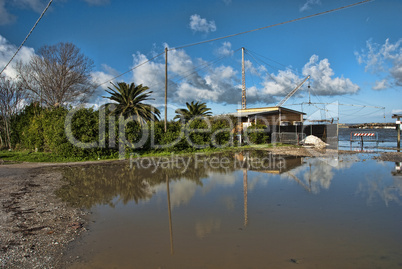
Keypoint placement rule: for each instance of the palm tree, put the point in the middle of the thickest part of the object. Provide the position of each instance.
(196, 109)
(129, 100)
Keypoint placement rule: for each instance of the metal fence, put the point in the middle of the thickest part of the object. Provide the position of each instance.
(287, 138)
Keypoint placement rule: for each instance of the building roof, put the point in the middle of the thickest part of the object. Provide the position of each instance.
(397, 115)
(262, 111)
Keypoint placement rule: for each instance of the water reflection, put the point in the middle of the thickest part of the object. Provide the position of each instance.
(398, 170)
(245, 214)
(101, 184)
(379, 186)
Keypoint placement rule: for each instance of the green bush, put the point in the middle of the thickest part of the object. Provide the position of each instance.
(257, 134)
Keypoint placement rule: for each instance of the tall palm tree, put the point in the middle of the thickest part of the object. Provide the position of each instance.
(193, 110)
(129, 100)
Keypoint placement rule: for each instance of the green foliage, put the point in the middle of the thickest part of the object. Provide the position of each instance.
(44, 130)
(256, 134)
(129, 101)
(193, 110)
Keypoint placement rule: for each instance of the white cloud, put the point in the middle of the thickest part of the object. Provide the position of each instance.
(186, 83)
(308, 4)
(381, 85)
(225, 49)
(7, 50)
(152, 75)
(323, 81)
(5, 17)
(227, 2)
(396, 111)
(36, 5)
(97, 2)
(221, 84)
(99, 78)
(384, 60)
(198, 24)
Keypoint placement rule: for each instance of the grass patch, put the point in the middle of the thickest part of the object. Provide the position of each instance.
(29, 156)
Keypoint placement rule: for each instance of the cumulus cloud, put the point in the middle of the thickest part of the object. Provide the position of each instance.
(97, 2)
(225, 49)
(7, 50)
(5, 17)
(102, 79)
(36, 5)
(198, 24)
(396, 111)
(308, 5)
(222, 84)
(381, 85)
(385, 61)
(186, 82)
(323, 82)
(275, 86)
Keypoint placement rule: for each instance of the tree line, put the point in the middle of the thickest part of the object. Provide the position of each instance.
(34, 107)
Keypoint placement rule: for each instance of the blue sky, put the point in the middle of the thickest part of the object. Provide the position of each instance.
(354, 56)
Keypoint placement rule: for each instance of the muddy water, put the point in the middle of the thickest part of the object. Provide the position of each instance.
(279, 213)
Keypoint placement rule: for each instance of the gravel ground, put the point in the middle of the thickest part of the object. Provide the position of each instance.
(390, 156)
(35, 225)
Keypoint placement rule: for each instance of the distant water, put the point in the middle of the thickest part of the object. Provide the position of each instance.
(387, 138)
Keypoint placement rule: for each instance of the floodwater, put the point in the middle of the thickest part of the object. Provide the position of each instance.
(387, 140)
(243, 210)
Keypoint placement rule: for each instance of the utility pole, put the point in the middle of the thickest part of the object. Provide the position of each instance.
(166, 85)
(243, 81)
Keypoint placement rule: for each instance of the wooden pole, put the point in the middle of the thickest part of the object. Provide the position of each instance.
(166, 86)
(243, 82)
(398, 128)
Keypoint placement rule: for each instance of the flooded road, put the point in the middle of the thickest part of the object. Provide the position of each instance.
(245, 210)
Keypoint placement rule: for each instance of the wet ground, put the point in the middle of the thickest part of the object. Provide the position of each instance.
(244, 210)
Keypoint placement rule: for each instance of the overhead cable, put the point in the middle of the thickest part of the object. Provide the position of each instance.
(23, 42)
(273, 25)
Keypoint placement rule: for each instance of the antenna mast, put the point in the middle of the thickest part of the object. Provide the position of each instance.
(243, 81)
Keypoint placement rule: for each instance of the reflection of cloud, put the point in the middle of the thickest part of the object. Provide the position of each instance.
(229, 202)
(376, 186)
(181, 192)
(321, 173)
(205, 227)
(217, 179)
(258, 179)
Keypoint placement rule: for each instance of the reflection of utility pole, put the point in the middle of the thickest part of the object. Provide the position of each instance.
(309, 179)
(245, 196)
(300, 182)
(166, 85)
(170, 215)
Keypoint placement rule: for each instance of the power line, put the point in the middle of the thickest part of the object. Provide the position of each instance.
(135, 67)
(23, 42)
(273, 25)
(241, 33)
